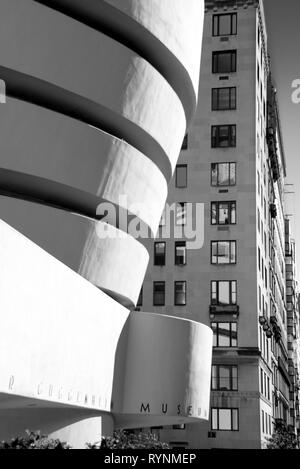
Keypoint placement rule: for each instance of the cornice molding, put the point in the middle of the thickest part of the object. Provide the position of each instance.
(224, 5)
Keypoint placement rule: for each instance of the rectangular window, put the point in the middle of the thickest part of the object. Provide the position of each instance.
(180, 253)
(223, 293)
(140, 299)
(159, 253)
(180, 293)
(223, 213)
(179, 427)
(224, 378)
(225, 25)
(224, 99)
(180, 214)
(224, 61)
(224, 334)
(223, 252)
(223, 136)
(224, 419)
(158, 293)
(181, 176)
(223, 174)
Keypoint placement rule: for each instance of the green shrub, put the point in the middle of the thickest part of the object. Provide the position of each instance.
(282, 438)
(33, 440)
(122, 439)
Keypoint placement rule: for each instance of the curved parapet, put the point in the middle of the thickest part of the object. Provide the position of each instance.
(56, 329)
(99, 127)
(162, 32)
(107, 252)
(168, 367)
(75, 363)
(78, 156)
(168, 22)
(100, 252)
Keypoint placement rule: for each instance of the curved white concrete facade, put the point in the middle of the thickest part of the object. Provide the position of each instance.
(137, 369)
(127, 84)
(114, 252)
(168, 21)
(76, 155)
(99, 95)
(80, 243)
(166, 371)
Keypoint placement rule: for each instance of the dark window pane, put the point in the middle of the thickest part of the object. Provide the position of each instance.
(159, 293)
(224, 377)
(223, 136)
(214, 378)
(224, 62)
(159, 253)
(181, 176)
(234, 23)
(180, 253)
(223, 99)
(180, 293)
(225, 24)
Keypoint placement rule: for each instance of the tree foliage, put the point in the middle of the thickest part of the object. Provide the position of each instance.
(33, 440)
(282, 438)
(122, 439)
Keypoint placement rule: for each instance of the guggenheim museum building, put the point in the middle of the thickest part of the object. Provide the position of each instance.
(96, 98)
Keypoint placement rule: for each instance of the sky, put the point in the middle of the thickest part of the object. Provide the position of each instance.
(283, 25)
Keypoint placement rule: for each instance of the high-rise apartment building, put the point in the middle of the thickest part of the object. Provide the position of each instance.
(233, 162)
(292, 304)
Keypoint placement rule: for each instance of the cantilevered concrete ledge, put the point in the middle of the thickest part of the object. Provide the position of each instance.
(112, 22)
(54, 194)
(41, 93)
